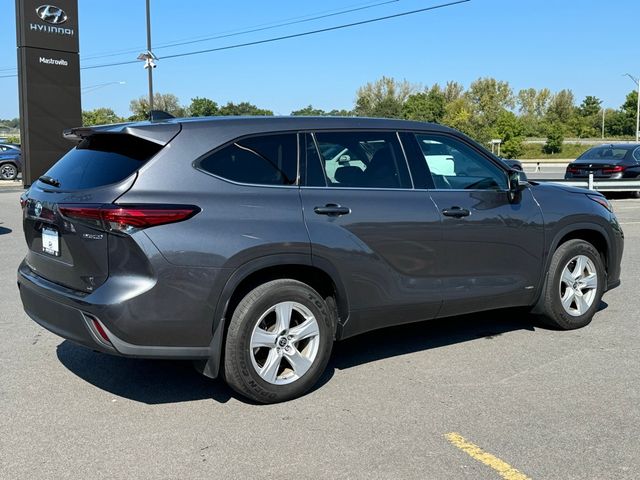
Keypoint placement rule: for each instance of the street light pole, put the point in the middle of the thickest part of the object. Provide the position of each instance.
(150, 69)
(602, 122)
(637, 82)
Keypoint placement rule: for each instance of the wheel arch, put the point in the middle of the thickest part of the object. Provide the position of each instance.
(318, 274)
(593, 233)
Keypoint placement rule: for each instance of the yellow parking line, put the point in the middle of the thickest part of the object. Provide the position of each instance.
(505, 470)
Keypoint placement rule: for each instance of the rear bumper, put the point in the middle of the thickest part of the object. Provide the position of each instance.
(72, 315)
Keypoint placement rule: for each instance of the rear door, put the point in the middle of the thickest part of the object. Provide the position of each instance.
(365, 219)
(100, 169)
(492, 250)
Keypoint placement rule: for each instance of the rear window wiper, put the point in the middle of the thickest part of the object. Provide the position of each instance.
(49, 180)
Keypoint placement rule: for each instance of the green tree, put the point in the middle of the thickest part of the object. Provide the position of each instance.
(458, 115)
(203, 107)
(555, 138)
(488, 98)
(510, 130)
(309, 111)
(11, 123)
(340, 113)
(243, 109)
(532, 105)
(100, 116)
(532, 102)
(167, 102)
(383, 98)
(628, 110)
(427, 106)
(452, 91)
(561, 108)
(617, 123)
(590, 106)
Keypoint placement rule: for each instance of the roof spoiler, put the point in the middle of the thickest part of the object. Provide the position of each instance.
(159, 133)
(78, 133)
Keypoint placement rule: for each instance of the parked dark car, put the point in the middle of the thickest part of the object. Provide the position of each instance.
(227, 241)
(607, 162)
(10, 161)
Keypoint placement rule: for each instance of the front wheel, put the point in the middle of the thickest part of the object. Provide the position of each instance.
(8, 171)
(575, 285)
(278, 342)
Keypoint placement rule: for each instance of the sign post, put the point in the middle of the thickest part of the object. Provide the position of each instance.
(49, 81)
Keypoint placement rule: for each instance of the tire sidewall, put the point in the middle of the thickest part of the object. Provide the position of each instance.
(15, 170)
(241, 349)
(563, 318)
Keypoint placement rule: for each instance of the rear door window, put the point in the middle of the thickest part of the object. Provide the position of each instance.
(102, 159)
(362, 160)
(259, 160)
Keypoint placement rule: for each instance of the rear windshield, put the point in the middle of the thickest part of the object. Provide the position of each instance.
(102, 159)
(605, 153)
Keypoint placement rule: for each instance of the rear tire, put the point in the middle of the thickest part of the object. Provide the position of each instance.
(574, 286)
(635, 194)
(279, 342)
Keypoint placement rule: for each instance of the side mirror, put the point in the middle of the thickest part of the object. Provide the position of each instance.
(515, 186)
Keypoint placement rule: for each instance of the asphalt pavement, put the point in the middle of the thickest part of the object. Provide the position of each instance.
(487, 396)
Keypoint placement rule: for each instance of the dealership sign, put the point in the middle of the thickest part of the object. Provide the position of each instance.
(50, 25)
(49, 81)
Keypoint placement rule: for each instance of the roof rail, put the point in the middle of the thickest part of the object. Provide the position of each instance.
(156, 115)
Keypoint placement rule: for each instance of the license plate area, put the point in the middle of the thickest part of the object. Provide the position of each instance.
(50, 241)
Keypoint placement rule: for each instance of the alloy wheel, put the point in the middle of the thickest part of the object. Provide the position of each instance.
(284, 343)
(578, 285)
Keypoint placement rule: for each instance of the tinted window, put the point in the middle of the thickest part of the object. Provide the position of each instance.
(263, 160)
(102, 159)
(454, 165)
(636, 154)
(605, 153)
(362, 159)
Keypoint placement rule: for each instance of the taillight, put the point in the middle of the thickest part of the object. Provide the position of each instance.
(128, 218)
(572, 169)
(614, 169)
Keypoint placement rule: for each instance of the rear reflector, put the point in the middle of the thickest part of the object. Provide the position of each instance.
(128, 218)
(98, 326)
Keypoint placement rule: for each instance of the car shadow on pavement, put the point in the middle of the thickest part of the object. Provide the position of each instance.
(157, 382)
(153, 382)
(4, 230)
(415, 337)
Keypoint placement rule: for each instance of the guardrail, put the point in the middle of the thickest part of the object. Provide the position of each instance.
(622, 185)
(544, 161)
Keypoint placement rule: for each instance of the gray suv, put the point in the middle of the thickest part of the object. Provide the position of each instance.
(251, 244)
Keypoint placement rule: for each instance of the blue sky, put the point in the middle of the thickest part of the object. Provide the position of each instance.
(584, 45)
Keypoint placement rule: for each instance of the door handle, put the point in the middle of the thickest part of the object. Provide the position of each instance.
(332, 209)
(456, 212)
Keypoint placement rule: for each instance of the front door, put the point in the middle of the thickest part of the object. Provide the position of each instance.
(492, 250)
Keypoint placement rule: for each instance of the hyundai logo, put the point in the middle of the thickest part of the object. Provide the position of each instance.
(38, 209)
(51, 14)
